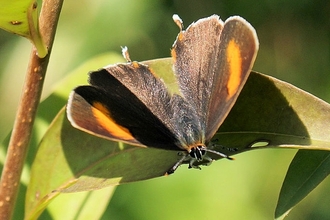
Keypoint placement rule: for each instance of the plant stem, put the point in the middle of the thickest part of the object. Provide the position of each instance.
(30, 98)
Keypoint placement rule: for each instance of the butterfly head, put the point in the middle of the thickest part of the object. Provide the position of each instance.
(196, 156)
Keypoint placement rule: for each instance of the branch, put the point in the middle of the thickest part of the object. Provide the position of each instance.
(26, 113)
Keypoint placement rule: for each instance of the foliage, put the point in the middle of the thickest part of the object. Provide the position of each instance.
(293, 48)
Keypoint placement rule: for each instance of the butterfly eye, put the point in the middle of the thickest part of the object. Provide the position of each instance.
(198, 152)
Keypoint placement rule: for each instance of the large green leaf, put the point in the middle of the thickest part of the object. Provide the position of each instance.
(21, 17)
(81, 204)
(286, 117)
(268, 113)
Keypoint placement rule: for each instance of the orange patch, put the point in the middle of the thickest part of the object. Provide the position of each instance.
(234, 60)
(173, 55)
(135, 64)
(103, 117)
(153, 73)
(188, 148)
(180, 36)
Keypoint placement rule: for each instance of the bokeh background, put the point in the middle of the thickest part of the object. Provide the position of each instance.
(294, 40)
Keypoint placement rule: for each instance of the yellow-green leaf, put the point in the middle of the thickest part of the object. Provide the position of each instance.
(269, 113)
(21, 17)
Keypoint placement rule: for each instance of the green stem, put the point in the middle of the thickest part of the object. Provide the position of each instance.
(25, 116)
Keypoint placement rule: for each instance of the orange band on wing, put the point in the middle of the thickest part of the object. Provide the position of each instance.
(234, 60)
(103, 117)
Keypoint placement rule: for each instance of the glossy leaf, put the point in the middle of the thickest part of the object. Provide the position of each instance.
(306, 171)
(46, 113)
(268, 113)
(285, 117)
(21, 17)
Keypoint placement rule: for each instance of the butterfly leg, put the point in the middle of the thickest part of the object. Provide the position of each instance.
(177, 164)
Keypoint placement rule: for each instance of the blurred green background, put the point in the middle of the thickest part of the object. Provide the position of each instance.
(294, 46)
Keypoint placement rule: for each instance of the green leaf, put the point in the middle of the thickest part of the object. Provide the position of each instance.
(286, 117)
(306, 171)
(69, 160)
(269, 113)
(81, 205)
(276, 112)
(21, 17)
(46, 113)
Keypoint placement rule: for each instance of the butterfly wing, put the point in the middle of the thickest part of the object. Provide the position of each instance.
(124, 103)
(212, 61)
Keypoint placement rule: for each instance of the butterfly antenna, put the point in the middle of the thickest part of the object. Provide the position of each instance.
(124, 51)
(178, 21)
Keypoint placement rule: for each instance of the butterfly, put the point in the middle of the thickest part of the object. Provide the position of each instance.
(127, 102)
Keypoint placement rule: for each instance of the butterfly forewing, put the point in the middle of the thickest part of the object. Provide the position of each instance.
(85, 115)
(208, 79)
(195, 53)
(237, 52)
(117, 99)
